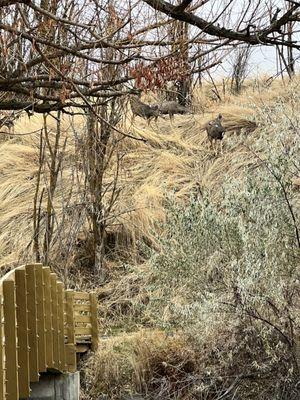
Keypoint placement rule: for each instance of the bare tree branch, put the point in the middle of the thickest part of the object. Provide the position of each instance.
(258, 37)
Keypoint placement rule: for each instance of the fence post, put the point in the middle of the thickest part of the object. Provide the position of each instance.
(61, 325)
(32, 323)
(48, 317)
(40, 318)
(54, 302)
(10, 331)
(22, 333)
(94, 320)
(71, 346)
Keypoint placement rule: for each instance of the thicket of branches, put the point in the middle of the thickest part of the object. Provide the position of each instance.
(56, 55)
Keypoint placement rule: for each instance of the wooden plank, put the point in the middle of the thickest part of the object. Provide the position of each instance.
(22, 334)
(54, 302)
(71, 357)
(94, 320)
(32, 323)
(83, 340)
(83, 319)
(10, 332)
(82, 348)
(40, 319)
(61, 325)
(82, 307)
(2, 367)
(70, 346)
(81, 296)
(48, 317)
(86, 330)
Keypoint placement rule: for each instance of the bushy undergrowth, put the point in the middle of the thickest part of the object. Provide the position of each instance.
(228, 274)
(224, 284)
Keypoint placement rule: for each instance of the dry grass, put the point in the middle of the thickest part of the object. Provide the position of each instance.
(19, 161)
(176, 158)
(148, 361)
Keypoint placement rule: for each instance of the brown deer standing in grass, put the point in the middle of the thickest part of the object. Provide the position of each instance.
(171, 108)
(215, 130)
(143, 110)
(7, 122)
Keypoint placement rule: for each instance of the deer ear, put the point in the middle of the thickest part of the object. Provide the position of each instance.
(220, 116)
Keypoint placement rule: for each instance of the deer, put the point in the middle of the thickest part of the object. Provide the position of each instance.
(7, 122)
(143, 110)
(171, 108)
(215, 130)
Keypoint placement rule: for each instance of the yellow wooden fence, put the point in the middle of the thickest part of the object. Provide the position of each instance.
(43, 327)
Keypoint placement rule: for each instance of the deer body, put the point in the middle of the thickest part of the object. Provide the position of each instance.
(171, 108)
(143, 110)
(7, 122)
(215, 130)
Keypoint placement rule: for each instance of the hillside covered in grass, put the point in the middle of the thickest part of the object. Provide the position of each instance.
(200, 296)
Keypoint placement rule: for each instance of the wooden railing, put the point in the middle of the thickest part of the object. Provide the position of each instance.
(43, 327)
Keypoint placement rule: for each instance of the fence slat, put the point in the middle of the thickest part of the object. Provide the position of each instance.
(10, 331)
(82, 307)
(61, 325)
(22, 333)
(32, 323)
(83, 331)
(40, 319)
(54, 302)
(81, 296)
(94, 321)
(70, 347)
(48, 317)
(83, 318)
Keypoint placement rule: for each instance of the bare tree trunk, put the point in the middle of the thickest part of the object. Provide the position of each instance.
(54, 168)
(97, 140)
(184, 85)
(181, 89)
(286, 60)
(240, 68)
(290, 55)
(37, 204)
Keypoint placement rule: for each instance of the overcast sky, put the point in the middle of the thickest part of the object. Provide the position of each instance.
(263, 58)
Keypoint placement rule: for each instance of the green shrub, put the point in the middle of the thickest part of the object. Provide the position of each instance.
(228, 274)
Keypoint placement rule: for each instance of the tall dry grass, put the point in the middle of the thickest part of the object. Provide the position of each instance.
(223, 281)
(175, 157)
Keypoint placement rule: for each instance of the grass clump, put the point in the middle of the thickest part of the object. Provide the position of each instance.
(148, 362)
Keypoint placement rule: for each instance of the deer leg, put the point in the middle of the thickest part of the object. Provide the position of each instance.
(216, 148)
(221, 147)
(213, 147)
